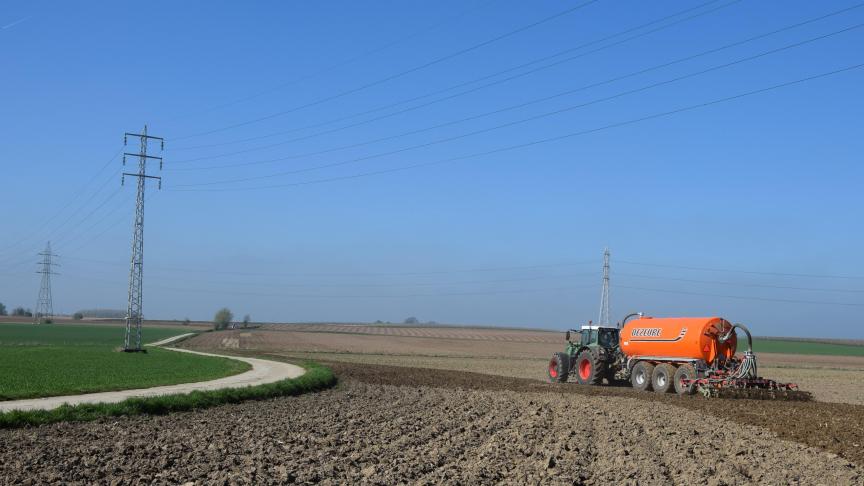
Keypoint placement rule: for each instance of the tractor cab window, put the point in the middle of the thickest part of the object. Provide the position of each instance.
(586, 337)
(608, 338)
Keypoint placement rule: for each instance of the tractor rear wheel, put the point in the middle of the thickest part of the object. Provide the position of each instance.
(640, 377)
(661, 378)
(685, 372)
(588, 370)
(559, 368)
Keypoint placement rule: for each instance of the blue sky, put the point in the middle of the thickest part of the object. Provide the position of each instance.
(354, 198)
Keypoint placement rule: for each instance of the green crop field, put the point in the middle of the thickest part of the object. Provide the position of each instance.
(50, 360)
(761, 345)
(76, 335)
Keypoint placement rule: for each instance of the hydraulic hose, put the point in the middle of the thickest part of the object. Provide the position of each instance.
(748, 368)
(726, 336)
(624, 321)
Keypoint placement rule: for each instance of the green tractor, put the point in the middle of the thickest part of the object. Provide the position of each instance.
(592, 353)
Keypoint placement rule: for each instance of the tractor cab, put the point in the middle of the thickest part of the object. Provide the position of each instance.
(592, 336)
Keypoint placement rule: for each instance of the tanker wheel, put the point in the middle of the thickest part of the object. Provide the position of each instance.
(661, 378)
(640, 377)
(588, 370)
(685, 372)
(559, 368)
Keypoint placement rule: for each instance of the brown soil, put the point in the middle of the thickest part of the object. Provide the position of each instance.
(835, 427)
(388, 425)
(414, 424)
(508, 352)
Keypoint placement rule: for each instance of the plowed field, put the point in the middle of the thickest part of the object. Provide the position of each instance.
(387, 425)
(457, 409)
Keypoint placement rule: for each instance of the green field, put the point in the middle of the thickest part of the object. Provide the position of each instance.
(50, 360)
(761, 345)
(75, 335)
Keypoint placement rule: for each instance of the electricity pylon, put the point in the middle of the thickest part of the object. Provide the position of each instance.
(132, 341)
(45, 304)
(603, 320)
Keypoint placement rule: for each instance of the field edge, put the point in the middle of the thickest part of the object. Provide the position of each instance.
(316, 378)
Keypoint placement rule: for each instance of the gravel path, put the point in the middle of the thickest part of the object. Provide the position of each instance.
(171, 339)
(263, 371)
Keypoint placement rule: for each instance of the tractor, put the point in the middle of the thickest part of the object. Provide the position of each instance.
(685, 355)
(592, 353)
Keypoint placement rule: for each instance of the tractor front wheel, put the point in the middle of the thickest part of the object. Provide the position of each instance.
(588, 370)
(559, 368)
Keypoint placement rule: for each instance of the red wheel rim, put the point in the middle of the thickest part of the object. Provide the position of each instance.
(584, 369)
(553, 369)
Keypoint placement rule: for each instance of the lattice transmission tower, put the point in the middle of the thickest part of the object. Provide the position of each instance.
(132, 341)
(45, 303)
(603, 320)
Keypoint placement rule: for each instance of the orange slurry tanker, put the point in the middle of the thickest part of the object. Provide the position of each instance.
(686, 355)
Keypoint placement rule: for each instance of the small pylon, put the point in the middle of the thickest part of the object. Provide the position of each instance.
(45, 304)
(603, 320)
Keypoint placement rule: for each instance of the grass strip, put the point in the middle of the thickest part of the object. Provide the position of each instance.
(317, 377)
(50, 371)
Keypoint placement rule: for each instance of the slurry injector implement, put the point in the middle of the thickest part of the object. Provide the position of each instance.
(687, 355)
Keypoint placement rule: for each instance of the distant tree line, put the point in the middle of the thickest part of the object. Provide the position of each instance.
(17, 311)
(102, 313)
(22, 312)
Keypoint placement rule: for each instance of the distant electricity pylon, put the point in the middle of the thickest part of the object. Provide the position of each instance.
(45, 304)
(603, 320)
(132, 341)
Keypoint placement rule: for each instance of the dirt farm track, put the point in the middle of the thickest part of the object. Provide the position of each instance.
(465, 408)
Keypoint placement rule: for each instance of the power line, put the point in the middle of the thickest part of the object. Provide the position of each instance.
(89, 230)
(89, 215)
(753, 272)
(761, 299)
(355, 274)
(343, 63)
(364, 284)
(353, 296)
(740, 284)
(400, 74)
(540, 141)
(511, 123)
(69, 203)
(476, 80)
(76, 231)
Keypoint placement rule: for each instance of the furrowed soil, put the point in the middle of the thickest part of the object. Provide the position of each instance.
(455, 406)
(517, 353)
(386, 425)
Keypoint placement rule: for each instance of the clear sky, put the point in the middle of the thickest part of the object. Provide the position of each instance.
(457, 161)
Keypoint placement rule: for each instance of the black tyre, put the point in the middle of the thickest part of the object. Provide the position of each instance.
(588, 370)
(559, 368)
(640, 376)
(684, 372)
(661, 378)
